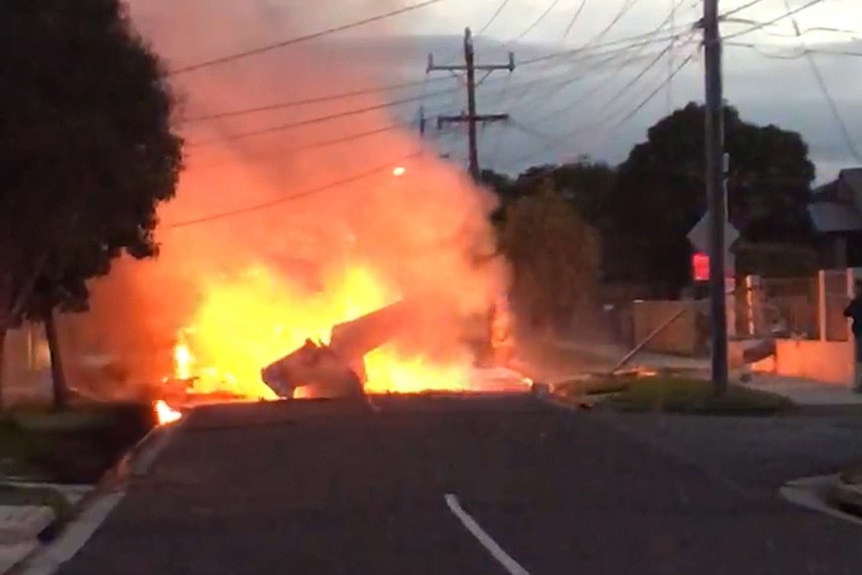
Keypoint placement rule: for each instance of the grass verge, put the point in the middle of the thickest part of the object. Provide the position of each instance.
(684, 395)
(76, 446)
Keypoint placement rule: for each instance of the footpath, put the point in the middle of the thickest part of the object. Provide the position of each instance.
(22, 525)
(803, 392)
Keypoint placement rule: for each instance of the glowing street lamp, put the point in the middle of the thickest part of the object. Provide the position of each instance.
(399, 171)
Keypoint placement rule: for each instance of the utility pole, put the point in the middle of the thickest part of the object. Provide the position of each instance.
(471, 117)
(715, 190)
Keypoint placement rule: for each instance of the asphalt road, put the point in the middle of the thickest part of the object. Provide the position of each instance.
(324, 488)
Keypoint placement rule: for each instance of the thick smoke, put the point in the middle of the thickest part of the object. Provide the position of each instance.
(417, 234)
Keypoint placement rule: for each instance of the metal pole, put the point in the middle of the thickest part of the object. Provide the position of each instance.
(715, 191)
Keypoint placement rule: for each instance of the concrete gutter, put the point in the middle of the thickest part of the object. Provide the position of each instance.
(826, 494)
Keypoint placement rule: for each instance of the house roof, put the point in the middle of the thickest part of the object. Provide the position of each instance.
(831, 217)
(852, 178)
(829, 213)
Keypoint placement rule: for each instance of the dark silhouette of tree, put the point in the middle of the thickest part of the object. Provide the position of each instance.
(554, 256)
(660, 194)
(87, 152)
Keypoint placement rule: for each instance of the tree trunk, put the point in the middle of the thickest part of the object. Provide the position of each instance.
(58, 376)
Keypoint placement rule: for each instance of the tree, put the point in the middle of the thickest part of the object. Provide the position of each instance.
(553, 253)
(583, 184)
(660, 193)
(87, 152)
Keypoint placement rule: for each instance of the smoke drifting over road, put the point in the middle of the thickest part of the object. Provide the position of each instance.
(296, 254)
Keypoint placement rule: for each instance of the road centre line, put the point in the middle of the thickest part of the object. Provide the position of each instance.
(512, 566)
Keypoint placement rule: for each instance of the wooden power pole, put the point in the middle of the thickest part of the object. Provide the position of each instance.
(715, 191)
(471, 117)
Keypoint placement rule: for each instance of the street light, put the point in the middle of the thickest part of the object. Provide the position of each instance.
(399, 171)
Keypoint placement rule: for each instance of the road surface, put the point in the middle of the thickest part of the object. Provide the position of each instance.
(449, 486)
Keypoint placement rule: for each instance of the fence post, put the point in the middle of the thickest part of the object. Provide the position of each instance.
(730, 298)
(821, 304)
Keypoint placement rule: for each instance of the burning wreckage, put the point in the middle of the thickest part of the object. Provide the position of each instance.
(338, 369)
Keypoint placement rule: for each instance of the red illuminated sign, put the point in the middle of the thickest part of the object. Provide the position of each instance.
(700, 267)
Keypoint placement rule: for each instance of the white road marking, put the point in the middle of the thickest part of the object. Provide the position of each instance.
(373, 406)
(512, 566)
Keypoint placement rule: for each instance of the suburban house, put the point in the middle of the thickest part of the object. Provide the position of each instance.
(836, 217)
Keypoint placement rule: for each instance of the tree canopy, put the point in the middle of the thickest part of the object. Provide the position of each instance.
(553, 252)
(644, 208)
(659, 193)
(87, 150)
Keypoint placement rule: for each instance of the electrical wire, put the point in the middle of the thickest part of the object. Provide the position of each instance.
(601, 122)
(388, 166)
(305, 147)
(761, 25)
(574, 19)
(628, 61)
(632, 41)
(739, 9)
(655, 92)
(821, 82)
(299, 39)
(373, 90)
(308, 121)
(553, 4)
(653, 58)
(493, 17)
(309, 101)
(800, 53)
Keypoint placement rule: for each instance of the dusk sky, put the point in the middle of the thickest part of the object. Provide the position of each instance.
(765, 88)
(567, 106)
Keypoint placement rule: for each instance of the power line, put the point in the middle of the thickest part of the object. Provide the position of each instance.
(559, 139)
(307, 101)
(739, 9)
(306, 147)
(493, 17)
(833, 107)
(632, 41)
(800, 53)
(300, 39)
(628, 5)
(655, 92)
(316, 119)
(292, 197)
(631, 59)
(645, 39)
(380, 89)
(308, 121)
(654, 59)
(761, 25)
(538, 20)
(575, 18)
(366, 109)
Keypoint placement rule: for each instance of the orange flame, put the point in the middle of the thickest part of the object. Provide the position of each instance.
(165, 414)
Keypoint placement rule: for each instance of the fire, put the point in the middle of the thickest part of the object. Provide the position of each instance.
(165, 414)
(183, 360)
(246, 322)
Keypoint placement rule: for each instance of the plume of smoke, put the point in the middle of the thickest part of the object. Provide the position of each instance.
(419, 232)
